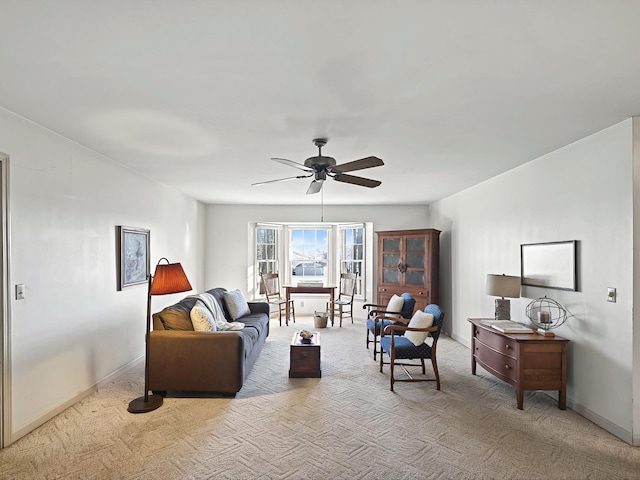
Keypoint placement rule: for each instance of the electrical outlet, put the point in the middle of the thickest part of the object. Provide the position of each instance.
(302, 303)
(611, 295)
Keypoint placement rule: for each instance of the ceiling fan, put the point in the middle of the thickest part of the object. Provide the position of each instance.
(321, 167)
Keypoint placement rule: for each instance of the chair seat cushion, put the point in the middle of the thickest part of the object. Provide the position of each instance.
(405, 349)
(375, 329)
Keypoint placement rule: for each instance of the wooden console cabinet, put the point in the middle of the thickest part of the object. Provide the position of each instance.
(527, 361)
(408, 262)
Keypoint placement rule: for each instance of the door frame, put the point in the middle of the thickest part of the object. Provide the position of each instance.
(5, 300)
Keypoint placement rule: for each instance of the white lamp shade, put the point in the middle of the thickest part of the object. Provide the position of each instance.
(503, 286)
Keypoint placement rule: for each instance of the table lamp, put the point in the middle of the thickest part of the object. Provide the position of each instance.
(168, 278)
(503, 286)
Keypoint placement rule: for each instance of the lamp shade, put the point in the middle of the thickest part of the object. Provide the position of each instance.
(503, 286)
(169, 278)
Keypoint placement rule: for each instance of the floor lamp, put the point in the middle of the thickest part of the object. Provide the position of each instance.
(168, 278)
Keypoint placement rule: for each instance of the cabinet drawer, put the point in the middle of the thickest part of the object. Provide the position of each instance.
(501, 365)
(502, 344)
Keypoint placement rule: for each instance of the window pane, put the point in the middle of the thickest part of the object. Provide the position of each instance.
(389, 260)
(391, 244)
(414, 277)
(308, 252)
(415, 244)
(390, 276)
(415, 261)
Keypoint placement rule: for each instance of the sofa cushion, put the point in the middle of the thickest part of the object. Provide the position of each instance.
(236, 304)
(201, 318)
(174, 319)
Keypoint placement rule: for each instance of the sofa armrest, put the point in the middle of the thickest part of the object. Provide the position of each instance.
(196, 361)
(259, 307)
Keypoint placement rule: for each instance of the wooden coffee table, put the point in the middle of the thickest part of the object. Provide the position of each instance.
(304, 358)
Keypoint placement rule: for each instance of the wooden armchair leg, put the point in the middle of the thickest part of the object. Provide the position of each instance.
(435, 370)
(391, 365)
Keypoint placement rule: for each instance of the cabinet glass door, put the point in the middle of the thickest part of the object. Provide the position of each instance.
(390, 260)
(415, 256)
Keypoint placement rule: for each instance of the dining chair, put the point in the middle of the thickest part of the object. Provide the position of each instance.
(348, 283)
(271, 286)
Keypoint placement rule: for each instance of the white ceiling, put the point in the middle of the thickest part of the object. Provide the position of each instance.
(200, 94)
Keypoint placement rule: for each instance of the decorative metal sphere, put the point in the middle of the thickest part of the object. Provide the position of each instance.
(546, 313)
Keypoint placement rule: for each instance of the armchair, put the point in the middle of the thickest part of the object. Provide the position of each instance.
(380, 316)
(409, 342)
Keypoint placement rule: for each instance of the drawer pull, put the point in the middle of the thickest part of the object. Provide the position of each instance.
(507, 367)
(507, 346)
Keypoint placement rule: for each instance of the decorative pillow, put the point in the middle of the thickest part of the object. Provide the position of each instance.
(201, 318)
(419, 320)
(236, 304)
(396, 303)
(173, 319)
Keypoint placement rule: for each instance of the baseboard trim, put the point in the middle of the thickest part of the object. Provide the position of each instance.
(56, 410)
(612, 428)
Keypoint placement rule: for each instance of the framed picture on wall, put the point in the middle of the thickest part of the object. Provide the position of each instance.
(549, 265)
(133, 256)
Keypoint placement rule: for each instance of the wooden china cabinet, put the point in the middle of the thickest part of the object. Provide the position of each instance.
(408, 262)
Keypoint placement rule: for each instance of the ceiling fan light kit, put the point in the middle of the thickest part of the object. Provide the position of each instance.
(320, 167)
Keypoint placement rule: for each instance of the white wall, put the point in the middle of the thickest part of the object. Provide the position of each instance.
(580, 192)
(228, 248)
(74, 329)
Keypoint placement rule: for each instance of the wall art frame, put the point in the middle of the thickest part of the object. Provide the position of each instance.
(133, 245)
(550, 265)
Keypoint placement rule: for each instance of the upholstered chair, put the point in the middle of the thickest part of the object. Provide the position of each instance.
(407, 344)
(380, 316)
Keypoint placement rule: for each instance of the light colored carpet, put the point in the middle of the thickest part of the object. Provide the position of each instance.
(346, 424)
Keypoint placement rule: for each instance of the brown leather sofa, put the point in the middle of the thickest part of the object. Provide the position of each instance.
(181, 359)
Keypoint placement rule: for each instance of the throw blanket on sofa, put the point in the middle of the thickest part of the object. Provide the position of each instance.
(213, 306)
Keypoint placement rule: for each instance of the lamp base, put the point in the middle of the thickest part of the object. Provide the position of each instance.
(503, 309)
(139, 405)
(545, 333)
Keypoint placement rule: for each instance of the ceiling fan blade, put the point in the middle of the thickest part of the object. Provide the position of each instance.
(278, 180)
(291, 163)
(367, 162)
(364, 182)
(315, 187)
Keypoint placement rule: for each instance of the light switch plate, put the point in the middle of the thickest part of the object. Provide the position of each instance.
(20, 291)
(611, 295)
